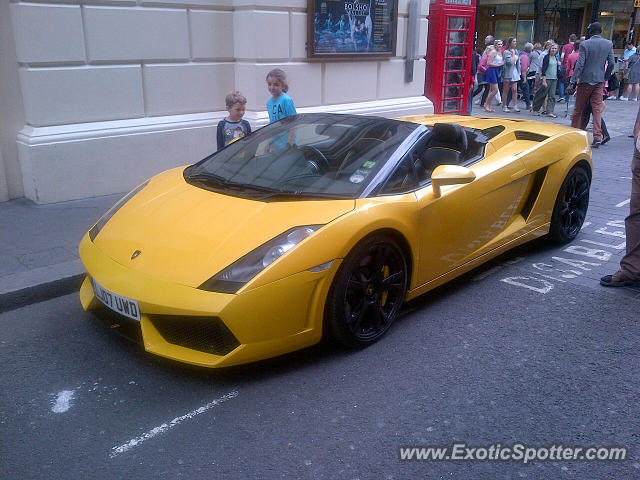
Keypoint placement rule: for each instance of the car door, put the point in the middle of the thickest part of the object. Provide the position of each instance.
(470, 219)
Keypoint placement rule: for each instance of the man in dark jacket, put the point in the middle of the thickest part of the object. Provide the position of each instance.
(589, 74)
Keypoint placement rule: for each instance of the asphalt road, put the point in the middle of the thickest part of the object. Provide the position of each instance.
(525, 349)
(480, 361)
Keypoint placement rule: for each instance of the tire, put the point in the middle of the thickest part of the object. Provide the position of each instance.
(367, 293)
(571, 205)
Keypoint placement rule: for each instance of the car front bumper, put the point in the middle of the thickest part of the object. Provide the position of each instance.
(263, 322)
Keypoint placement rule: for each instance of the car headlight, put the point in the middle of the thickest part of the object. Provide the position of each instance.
(95, 230)
(233, 277)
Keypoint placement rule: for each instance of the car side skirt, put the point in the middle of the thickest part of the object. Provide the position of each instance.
(462, 269)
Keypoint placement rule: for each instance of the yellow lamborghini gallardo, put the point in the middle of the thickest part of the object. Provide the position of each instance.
(322, 225)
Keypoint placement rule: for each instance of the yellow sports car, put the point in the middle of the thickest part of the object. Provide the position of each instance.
(322, 225)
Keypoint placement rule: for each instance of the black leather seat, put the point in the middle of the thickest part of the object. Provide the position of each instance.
(448, 146)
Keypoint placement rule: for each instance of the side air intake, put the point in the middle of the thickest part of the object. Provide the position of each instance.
(533, 137)
(536, 186)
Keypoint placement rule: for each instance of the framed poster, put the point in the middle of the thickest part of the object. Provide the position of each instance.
(352, 28)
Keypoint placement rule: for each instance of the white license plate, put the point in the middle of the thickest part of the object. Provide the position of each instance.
(122, 305)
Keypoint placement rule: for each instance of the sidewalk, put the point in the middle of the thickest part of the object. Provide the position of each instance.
(39, 258)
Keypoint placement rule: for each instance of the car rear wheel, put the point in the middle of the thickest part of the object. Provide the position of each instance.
(367, 293)
(571, 205)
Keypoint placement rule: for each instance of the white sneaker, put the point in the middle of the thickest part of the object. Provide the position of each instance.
(612, 97)
(623, 98)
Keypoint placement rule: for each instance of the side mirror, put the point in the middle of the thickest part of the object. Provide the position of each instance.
(450, 175)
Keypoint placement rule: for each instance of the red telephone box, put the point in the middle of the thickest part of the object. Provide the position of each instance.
(449, 50)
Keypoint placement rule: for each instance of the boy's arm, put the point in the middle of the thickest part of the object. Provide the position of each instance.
(220, 135)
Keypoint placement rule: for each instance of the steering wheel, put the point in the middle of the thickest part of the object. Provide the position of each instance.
(323, 164)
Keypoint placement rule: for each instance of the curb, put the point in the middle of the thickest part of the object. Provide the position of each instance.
(24, 288)
(40, 293)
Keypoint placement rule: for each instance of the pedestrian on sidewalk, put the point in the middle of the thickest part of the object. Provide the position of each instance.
(492, 76)
(524, 70)
(548, 78)
(632, 88)
(629, 273)
(589, 74)
(629, 51)
(510, 75)
(482, 70)
(571, 59)
(535, 64)
(475, 58)
(567, 48)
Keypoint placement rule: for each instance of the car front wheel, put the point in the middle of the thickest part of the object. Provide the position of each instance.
(367, 293)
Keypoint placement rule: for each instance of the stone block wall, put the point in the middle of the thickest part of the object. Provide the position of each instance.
(115, 91)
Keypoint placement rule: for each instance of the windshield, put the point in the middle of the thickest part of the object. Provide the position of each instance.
(318, 155)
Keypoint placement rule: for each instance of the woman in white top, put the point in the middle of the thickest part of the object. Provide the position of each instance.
(511, 75)
(492, 75)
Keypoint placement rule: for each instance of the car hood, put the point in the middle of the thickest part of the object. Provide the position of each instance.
(186, 234)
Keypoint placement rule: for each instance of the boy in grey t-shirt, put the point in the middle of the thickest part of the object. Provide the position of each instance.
(233, 127)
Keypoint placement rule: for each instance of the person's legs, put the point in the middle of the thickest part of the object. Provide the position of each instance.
(526, 94)
(636, 91)
(505, 93)
(470, 100)
(629, 273)
(630, 263)
(492, 93)
(605, 132)
(597, 106)
(539, 97)
(583, 91)
(514, 96)
(561, 83)
(487, 89)
(551, 96)
(586, 114)
(480, 87)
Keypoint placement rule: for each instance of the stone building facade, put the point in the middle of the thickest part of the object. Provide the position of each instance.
(97, 95)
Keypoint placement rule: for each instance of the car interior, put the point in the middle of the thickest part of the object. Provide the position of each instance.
(445, 144)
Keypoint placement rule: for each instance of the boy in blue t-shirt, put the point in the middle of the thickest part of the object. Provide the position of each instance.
(233, 127)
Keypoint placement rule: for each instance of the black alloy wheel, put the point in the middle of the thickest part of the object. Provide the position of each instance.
(367, 293)
(571, 206)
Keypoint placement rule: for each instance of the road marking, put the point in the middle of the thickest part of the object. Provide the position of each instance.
(539, 285)
(63, 401)
(167, 426)
(613, 228)
(622, 204)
